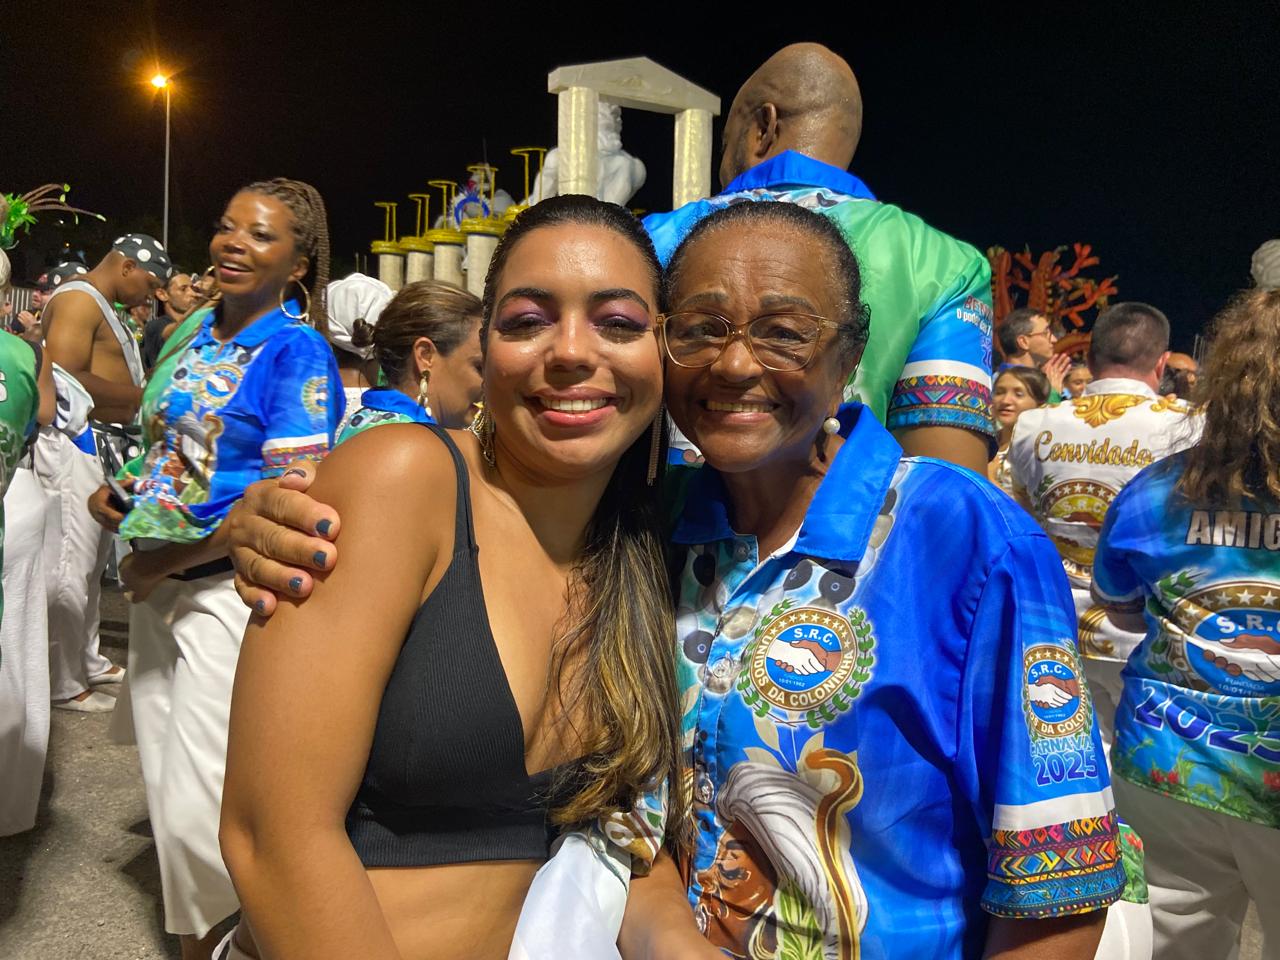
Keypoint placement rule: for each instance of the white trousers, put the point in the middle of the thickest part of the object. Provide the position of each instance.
(1203, 868)
(76, 551)
(24, 655)
(184, 641)
(1106, 687)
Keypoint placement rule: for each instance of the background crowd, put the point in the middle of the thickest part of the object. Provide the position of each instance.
(1135, 580)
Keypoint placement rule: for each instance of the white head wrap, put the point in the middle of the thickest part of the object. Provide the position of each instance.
(352, 298)
(1266, 265)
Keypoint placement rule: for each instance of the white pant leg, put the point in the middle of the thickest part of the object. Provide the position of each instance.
(1106, 688)
(1127, 934)
(1257, 850)
(24, 655)
(80, 555)
(1198, 896)
(184, 763)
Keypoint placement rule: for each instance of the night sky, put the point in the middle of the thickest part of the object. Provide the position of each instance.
(1154, 136)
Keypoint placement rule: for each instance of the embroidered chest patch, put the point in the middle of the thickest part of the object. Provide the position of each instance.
(807, 665)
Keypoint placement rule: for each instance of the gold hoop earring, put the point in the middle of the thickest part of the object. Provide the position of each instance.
(306, 311)
(423, 400)
(482, 427)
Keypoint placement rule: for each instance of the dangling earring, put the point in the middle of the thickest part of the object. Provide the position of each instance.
(482, 427)
(655, 443)
(306, 311)
(423, 400)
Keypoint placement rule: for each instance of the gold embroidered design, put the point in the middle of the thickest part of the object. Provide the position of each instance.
(1102, 408)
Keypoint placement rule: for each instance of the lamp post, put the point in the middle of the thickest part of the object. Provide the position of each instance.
(161, 82)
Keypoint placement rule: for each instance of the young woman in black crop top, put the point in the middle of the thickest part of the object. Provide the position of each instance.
(401, 744)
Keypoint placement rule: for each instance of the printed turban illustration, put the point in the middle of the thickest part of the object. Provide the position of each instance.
(798, 823)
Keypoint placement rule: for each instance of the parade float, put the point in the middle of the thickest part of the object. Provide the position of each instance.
(1066, 295)
(457, 246)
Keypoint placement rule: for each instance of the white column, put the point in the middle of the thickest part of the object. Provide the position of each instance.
(417, 266)
(448, 263)
(391, 270)
(691, 172)
(480, 248)
(578, 167)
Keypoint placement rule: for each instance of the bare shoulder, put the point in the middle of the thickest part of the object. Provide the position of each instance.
(396, 475)
(73, 309)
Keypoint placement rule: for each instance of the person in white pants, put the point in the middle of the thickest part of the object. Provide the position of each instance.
(1188, 553)
(89, 341)
(24, 661)
(76, 551)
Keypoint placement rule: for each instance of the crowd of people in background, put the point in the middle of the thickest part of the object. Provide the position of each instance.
(703, 589)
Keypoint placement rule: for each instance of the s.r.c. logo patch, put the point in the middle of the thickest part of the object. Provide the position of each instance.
(1057, 702)
(810, 663)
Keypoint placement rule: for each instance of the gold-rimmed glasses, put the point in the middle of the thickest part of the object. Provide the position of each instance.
(778, 341)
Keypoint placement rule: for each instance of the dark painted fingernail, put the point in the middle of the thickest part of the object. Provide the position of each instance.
(260, 606)
(323, 527)
(296, 584)
(320, 558)
(295, 472)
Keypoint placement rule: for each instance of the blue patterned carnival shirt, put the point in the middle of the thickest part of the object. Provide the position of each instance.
(1199, 720)
(890, 733)
(383, 405)
(231, 413)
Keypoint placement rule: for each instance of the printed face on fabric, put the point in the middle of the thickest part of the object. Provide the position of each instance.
(253, 249)
(740, 414)
(573, 372)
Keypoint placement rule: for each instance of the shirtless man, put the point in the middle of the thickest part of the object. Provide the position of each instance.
(85, 336)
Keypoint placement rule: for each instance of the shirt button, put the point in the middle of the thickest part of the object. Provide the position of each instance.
(741, 552)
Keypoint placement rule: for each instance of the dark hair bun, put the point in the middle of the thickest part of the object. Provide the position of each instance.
(362, 333)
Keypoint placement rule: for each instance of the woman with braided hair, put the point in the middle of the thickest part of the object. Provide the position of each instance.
(246, 386)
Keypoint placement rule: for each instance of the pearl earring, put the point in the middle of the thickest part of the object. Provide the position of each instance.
(830, 425)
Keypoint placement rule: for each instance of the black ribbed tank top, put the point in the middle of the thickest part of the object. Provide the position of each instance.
(446, 780)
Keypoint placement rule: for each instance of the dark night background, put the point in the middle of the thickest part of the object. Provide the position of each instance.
(1152, 133)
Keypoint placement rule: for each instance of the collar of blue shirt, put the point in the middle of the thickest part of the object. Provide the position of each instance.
(256, 332)
(838, 523)
(393, 401)
(795, 169)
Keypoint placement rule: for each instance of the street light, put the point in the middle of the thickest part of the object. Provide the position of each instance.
(161, 82)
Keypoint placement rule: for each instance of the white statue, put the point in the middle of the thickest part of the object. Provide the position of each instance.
(621, 174)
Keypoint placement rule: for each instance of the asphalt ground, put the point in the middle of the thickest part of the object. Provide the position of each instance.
(84, 884)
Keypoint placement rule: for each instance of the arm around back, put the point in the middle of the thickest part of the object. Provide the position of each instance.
(306, 699)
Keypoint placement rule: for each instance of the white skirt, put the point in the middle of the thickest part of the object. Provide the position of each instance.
(184, 641)
(24, 655)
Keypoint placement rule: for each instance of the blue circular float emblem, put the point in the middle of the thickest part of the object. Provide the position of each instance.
(1057, 704)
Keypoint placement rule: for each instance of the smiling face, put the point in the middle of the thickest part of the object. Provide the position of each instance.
(741, 415)
(253, 250)
(1010, 398)
(573, 373)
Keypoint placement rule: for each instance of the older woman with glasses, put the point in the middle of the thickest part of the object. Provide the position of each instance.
(892, 749)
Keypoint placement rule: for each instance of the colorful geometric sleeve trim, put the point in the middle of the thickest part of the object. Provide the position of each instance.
(941, 400)
(1055, 871)
(282, 451)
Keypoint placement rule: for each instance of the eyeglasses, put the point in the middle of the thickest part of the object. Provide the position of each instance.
(778, 341)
